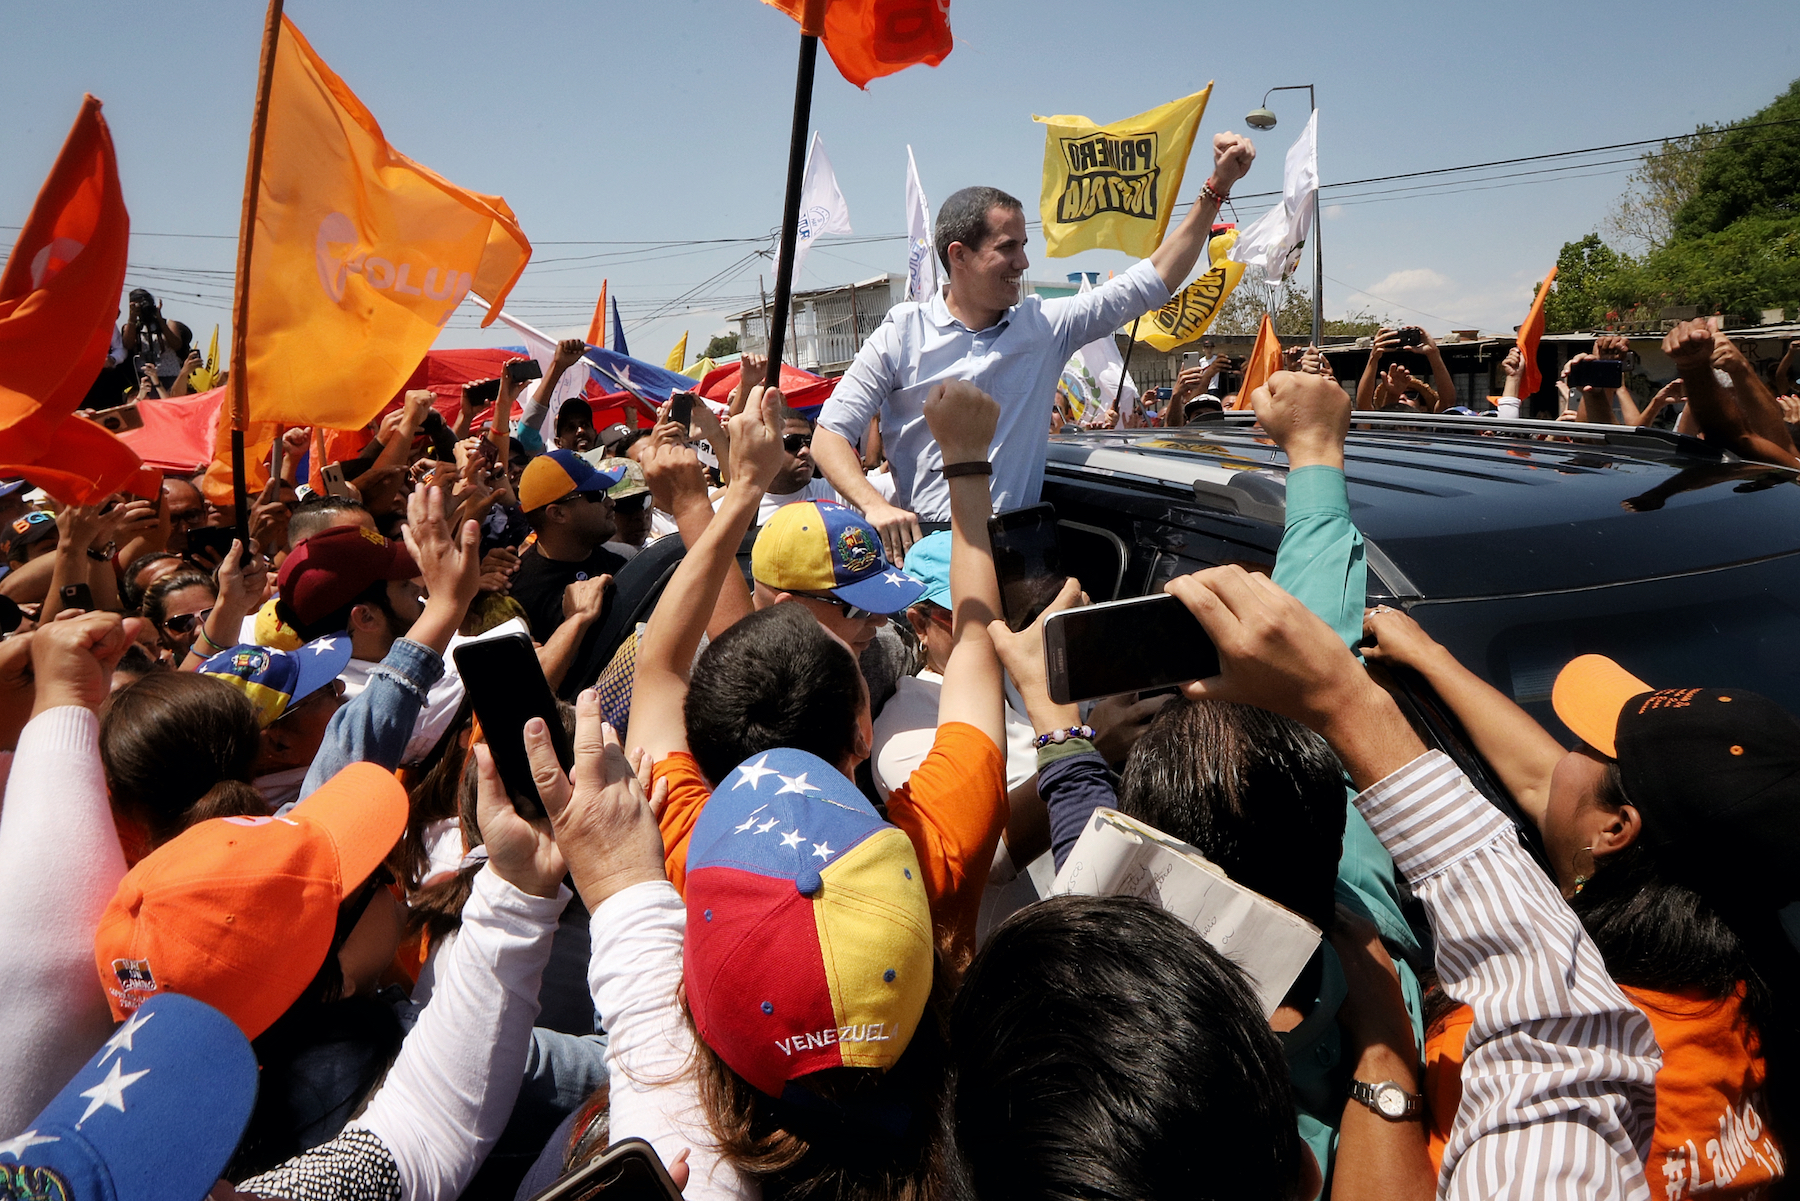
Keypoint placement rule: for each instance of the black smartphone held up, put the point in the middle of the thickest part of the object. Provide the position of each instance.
(681, 408)
(214, 538)
(508, 689)
(1410, 336)
(78, 596)
(629, 1170)
(520, 370)
(1027, 561)
(484, 392)
(1136, 645)
(1597, 373)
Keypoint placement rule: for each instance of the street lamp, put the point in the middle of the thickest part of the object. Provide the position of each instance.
(1262, 118)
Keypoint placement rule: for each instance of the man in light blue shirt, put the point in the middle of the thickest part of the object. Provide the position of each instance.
(978, 329)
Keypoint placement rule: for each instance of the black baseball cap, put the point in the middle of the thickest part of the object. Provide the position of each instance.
(1713, 772)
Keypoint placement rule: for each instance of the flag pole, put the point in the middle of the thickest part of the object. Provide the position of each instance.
(1130, 342)
(812, 23)
(240, 300)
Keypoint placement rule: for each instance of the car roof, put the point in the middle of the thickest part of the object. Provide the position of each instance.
(1459, 507)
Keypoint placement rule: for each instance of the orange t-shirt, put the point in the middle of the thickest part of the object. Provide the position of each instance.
(952, 807)
(1710, 1136)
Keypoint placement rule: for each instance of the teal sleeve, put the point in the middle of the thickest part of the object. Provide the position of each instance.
(1321, 555)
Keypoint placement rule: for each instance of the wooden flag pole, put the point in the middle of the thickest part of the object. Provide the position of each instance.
(240, 297)
(811, 25)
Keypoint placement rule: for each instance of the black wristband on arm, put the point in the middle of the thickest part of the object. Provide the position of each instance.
(972, 467)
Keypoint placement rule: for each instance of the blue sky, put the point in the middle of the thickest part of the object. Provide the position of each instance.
(669, 122)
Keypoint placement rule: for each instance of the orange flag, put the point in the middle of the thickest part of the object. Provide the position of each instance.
(597, 327)
(1529, 333)
(59, 296)
(1264, 361)
(359, 258)
(871, 38)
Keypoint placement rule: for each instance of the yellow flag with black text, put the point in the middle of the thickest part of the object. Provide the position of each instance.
(1110, 187)
(1191, 311)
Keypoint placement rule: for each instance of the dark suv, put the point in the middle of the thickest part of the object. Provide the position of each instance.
(1518, 545)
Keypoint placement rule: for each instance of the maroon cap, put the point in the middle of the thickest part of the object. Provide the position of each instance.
(332, 568)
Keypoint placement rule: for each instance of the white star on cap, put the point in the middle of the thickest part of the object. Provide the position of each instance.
(752, 774)
(768, 825)
(791, 838)
(121, 1040)
(321, 645)
(794, 784)
(110, 1091)
(749, 821)
(16, 1147)
(896, 579)
(823, 850)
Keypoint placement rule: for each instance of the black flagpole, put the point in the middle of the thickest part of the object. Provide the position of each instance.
(790, 213)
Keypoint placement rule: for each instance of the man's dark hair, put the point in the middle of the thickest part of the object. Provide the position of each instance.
(775, 679)
(1102, 1050)
(1258, 794)
(573, 412)
(317, 513)
(964, 218)
(130, 593)
(338, 620)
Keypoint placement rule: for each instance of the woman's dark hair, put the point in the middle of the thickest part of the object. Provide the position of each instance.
(1102, 1051)
(129, 593)
(177, 748)
(775, 679)
(155, 600)
(1663, 936)
(1258, 794)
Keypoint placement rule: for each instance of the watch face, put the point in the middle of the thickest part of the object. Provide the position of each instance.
(1390, 1098)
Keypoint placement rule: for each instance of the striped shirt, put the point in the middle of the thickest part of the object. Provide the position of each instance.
(1559, 1083)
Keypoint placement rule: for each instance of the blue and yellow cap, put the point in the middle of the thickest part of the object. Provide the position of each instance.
(557, 473)
(820, 546)
(275, 681)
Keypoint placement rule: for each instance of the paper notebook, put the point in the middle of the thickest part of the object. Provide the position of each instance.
(1119, 856)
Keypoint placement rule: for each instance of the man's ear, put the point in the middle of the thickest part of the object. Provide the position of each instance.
(364, 618)
(274, 741)
(1619, 832)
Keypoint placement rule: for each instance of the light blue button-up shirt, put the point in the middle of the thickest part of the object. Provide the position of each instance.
(1016, 361)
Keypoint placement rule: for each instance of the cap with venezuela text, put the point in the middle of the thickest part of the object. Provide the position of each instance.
(820, 546)
(557, 473)
(156, 1113)
(1714, 773)
(333, 567)
(808, 932)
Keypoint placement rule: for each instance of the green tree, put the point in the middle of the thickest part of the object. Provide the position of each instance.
(720, 346)
(1751, 265)
(1243, 310)
(1665, 179)
(1587, 285)
(1751, 172)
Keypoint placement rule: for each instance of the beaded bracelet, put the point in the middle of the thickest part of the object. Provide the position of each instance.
(1044, 740)
(1206, 190)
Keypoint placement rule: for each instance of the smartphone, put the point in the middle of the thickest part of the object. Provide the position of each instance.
(1191, 359)
(1027, 561)
(520, 370)
(335, 483)
(120, 418)
(503, 680)
(1411, 335)
(1135, 645)
(78, 596)
(487, 452)
(1165, 392)
(216, 538)
(11, 616)
(681, 408)
(485, 391)
(629, 1170)
(1597, 373)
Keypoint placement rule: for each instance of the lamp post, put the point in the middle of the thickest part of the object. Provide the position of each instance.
(1262, 118)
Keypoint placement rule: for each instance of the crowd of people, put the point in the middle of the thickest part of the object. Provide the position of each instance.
(276, 926)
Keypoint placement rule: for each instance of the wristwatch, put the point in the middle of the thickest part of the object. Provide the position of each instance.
(1388, 1100)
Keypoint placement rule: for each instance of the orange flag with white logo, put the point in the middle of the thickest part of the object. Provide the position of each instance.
(360, 256)
(1264, 361)
(59, 296)
(1532, 379)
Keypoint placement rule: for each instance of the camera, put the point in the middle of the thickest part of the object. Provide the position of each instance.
(1410, 336)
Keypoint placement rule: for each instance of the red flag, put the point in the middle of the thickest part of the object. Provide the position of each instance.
(1531, 379)
(1264, 361)
(59, 296)
(597, 327)
(871, 38)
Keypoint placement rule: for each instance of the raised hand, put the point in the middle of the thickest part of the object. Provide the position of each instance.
(72, 661)
(1393, 637)
(449, 559)
(1514, 363)
(962, 419)
(674, 475)
(605, 825)
(757, 455)
(568, 353)
(1690, 344)
(1232, 156)
(1307, 415)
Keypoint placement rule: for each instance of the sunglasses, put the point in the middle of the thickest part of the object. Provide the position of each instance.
(595, 497)
(850, 611)
(181, 623)
(794, 443)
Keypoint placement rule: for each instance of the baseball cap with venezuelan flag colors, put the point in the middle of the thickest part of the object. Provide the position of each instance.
(820, 546)
(808, 931)
(554, 475)
(240, 912)
(275, 680)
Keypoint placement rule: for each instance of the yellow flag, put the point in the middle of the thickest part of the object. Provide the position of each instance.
(677, 356)
(206, 375)
(1191, 311)
(1110, 187)
(697, 370)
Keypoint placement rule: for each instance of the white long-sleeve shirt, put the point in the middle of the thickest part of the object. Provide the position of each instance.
(1559, 1081)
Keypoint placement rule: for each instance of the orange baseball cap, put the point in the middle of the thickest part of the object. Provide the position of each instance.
(240, 912)
(1589, 695)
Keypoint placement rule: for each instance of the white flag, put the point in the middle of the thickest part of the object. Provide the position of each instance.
(921, 254)
(1103, 365)
(822, 207)
(1271, 244)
